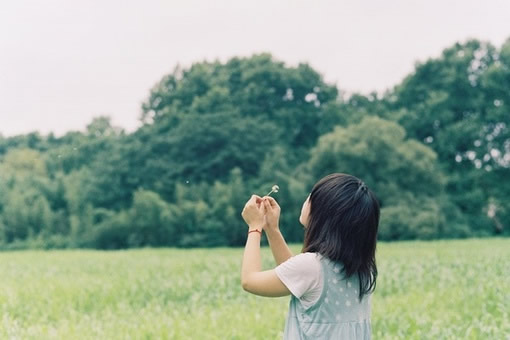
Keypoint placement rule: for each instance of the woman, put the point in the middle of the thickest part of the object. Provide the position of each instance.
(331, 281)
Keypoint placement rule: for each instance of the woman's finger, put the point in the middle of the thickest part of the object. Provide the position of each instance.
(267, 205)
(253, 200)
(272, 201)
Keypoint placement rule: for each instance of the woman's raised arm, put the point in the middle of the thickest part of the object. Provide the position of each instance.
(279, 248)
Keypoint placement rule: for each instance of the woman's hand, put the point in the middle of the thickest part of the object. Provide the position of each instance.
(253, 213)
(272, 210)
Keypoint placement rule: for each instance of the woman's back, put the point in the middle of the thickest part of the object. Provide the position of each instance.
(337, 314)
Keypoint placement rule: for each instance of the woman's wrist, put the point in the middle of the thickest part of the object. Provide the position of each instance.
(272, 231)
(255, 226)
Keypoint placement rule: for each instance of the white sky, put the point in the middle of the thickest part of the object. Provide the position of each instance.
(64, 62)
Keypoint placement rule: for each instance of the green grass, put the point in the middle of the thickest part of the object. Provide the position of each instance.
(425, 290)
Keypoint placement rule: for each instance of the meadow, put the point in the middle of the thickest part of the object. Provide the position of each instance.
(455, 289)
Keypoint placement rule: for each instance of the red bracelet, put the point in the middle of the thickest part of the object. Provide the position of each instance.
(251, 231)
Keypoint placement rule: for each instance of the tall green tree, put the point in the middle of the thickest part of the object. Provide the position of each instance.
(403, 173)
(25, 210)
(458, 104)
(292, 97)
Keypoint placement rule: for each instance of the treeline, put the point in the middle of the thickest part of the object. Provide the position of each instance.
(435, 149)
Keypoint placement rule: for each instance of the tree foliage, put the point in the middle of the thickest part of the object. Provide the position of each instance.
(435, 149)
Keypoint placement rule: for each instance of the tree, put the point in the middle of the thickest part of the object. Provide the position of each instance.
(149, 220)
(226, 141)
(458, 105)
(291, 97)
(402, 172)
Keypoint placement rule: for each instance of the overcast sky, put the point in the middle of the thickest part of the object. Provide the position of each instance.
(64, 62)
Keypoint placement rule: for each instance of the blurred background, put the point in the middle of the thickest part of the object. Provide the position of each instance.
(129, 124)
(143, 127)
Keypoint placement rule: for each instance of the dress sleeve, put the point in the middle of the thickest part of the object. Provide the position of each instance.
(301, 274)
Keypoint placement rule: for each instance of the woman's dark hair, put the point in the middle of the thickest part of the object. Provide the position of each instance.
(342, 226)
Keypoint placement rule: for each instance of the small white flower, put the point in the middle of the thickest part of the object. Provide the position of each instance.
(275, 188)
(349, 284)
(341, 289)
(347, 303)
(335, 281)
(338, 317)
(326, 300)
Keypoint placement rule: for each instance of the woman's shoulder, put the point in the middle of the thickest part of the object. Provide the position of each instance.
(303, 261)
(309, 257)
(311, 254)
(316, 257)
(302, 275)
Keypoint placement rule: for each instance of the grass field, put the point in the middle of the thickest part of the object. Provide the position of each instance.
(425, 290)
